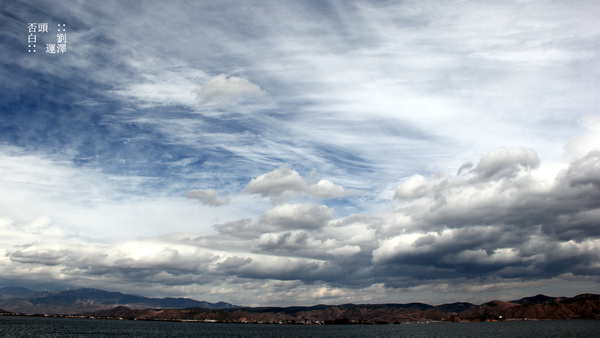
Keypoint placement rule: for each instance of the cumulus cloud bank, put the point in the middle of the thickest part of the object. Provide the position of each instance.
(504, 226)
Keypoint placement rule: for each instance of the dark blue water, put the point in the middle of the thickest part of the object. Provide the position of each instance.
(68, 327)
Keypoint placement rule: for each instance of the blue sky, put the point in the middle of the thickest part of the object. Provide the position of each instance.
(302, 152)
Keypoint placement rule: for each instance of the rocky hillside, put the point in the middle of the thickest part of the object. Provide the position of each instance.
(100, 303)
(586, 306)
(318, 314)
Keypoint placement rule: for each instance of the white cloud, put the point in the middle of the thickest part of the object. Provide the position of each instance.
(227, 89)
(589, 140)
(480, 256)
(162, 85)
(278, 184)
(54, 196)
(298, 216)
(506, 163)
(158, 83)
(407, 244)
(208, 197)
(283, 183)
(344, 251)
(326, 189)
(416, 186)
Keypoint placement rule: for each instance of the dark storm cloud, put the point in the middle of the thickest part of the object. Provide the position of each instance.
(513, 226)
(519, 228)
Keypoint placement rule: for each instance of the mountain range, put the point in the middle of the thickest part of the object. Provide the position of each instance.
(22, 300)
(585, 306)
(100, 303)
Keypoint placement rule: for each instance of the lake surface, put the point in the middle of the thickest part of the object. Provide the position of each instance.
(69, 327)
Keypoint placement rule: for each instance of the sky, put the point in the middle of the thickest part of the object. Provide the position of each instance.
(277, 153)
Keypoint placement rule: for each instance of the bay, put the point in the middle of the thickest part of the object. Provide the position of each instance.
(17, 326)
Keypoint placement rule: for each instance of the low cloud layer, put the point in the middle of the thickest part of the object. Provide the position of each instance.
(503, 225)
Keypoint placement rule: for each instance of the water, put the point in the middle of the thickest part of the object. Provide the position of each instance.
(69, 327)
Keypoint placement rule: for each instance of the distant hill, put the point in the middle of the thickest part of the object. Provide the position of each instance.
(492, 309)
(585, 306)
(100, 303)
(455, 307)
(82, 300)
(342, 314)
(538, 299)
(15, 291)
